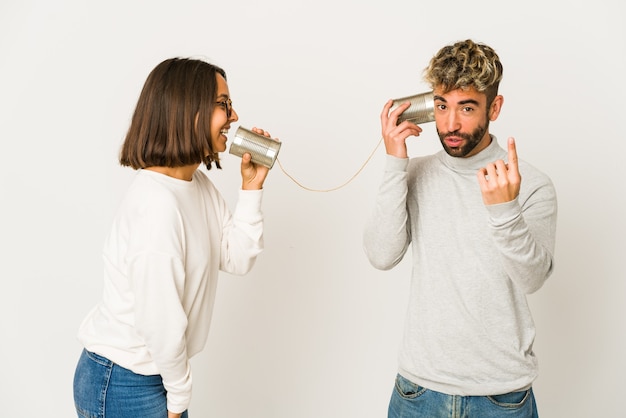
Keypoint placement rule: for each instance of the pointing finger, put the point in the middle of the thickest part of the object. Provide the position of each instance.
(512, 154)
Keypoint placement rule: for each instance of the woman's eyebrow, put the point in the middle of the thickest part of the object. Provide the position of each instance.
(223, 96)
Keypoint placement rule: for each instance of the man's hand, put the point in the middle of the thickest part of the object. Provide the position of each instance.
(500, 182)
(395, 135)
(253, 175)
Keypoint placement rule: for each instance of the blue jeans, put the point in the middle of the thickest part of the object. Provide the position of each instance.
(102, 389)
(412, 401)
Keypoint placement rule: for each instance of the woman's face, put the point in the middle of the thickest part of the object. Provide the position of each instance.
(223, 116)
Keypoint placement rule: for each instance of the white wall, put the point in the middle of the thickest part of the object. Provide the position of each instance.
(312, 332)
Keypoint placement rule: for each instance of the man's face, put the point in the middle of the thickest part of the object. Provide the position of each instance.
(462, 120)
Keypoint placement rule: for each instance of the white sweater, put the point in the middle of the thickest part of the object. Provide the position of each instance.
(468, 328)
(168, 241)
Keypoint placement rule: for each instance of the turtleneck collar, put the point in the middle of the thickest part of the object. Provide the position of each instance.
(490, 154)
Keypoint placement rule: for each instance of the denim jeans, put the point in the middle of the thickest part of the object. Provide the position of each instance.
(412, 401)
(102, 389)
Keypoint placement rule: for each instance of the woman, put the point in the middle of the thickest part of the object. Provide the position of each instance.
(171, 236)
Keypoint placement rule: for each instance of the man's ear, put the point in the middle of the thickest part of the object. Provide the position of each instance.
(495, 108)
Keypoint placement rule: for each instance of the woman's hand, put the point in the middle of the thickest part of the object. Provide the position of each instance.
(173, 415)
(253, 175)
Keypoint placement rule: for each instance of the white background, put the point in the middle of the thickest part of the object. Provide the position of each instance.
(313, 330)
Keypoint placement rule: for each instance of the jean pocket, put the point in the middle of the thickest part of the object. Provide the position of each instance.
(101, 360)
(511, 400)
(408, 389)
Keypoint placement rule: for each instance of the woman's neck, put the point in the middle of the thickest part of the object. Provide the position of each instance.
(181, 173)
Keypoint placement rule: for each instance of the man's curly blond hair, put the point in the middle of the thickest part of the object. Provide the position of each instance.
(464, 65)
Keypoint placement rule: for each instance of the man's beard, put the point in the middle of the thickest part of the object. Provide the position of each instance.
(471, 140)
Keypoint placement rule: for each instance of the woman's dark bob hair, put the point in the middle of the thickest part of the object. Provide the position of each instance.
(171, 126)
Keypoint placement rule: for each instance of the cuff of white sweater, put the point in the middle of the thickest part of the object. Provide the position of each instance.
(249, 204)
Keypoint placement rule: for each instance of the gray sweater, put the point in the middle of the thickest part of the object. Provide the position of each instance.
(468, 328)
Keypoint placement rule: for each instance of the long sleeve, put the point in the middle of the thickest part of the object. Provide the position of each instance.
(524, 231)
(157, 253)
(242, 240)
(161, 321)
(387, 236)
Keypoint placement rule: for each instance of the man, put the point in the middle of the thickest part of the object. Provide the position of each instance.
(481, 225)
